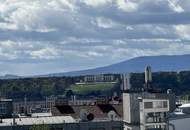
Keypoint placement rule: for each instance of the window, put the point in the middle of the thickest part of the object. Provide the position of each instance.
(96, 129)
(116, 128)
(165, 104)
(155, 104)
(156, 127)
(148, 105)
(161, 104)
(158, 104)
(157, 117)
(2, 108)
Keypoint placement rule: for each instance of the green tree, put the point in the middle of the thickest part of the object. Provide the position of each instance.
(69, 93)
(40, 127)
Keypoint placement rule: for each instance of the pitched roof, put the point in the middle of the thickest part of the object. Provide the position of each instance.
(99, 111)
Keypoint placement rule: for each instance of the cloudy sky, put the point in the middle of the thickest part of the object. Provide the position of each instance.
(45, 36)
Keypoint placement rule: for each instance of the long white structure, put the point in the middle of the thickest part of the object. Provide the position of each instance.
(180, 119)
(37, 121)
(60, 123)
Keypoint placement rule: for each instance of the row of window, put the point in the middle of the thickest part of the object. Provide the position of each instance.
(156, 117)
(156, 127)
(2, 105)
(2, 108)
(155, 104)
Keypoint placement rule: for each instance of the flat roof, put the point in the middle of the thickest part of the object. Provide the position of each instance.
(38, 120)
(5, 100)
(185, 105)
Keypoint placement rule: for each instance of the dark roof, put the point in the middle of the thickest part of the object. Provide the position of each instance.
(99, 111)
(66, 109)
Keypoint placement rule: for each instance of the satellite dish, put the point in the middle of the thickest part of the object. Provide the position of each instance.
(112, 115)
(83, 115)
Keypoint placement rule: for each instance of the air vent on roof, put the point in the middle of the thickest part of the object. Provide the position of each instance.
(112, 115)
(83, 115)
(86, 116)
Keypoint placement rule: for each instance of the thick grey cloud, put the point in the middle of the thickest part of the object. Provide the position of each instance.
(63, 35)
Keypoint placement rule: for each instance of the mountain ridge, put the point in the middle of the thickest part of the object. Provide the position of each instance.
(163, 63)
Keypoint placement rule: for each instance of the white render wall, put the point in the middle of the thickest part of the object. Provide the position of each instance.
(180, 124)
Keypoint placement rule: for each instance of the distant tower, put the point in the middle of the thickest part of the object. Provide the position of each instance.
(126, 82)
(25, 105)
(148, 78)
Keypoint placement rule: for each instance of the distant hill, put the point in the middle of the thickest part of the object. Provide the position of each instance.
(10, 76)
(158, 63)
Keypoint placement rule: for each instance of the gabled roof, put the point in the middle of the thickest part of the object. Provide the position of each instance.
(99, 111)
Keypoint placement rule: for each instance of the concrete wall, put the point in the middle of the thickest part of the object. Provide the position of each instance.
(131, 110)
(172, 101)
(106, 125)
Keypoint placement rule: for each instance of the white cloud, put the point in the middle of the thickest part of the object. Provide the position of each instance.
(34, 15)
(45, 53)
(96, 54)
(105, 23)
(183, 31)
(97, 3)
(127, 5)
(79, 34)
(175, 6)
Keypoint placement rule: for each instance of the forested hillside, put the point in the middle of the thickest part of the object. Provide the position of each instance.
(35, 88)
(178, 82)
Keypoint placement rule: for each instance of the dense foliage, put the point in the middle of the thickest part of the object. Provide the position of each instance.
(38, 88)
(178, 82)
(35, 88)
(40, 127)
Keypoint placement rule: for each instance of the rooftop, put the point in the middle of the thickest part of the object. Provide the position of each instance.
(99, 111)
(5, 100)
(185, 105)
(38, 120)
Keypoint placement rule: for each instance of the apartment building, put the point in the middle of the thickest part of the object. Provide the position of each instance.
(6, 108)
